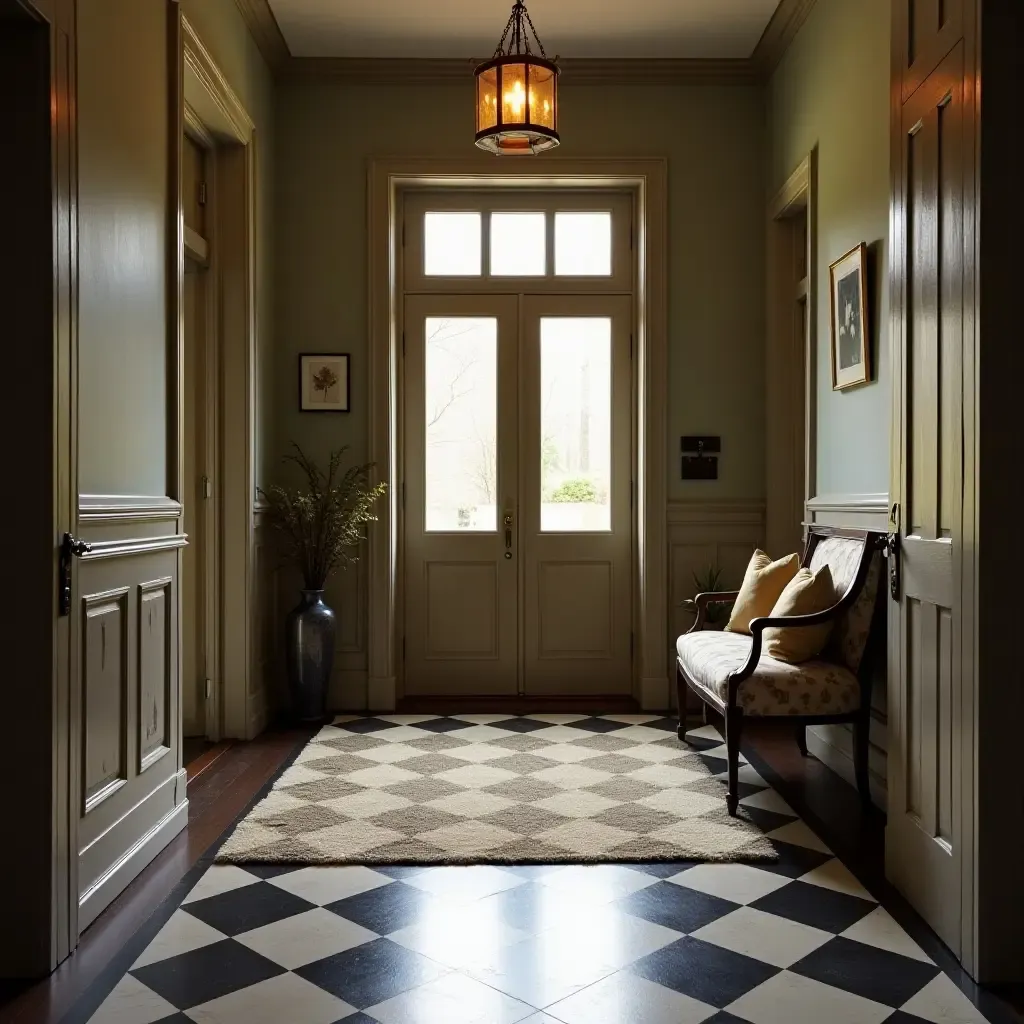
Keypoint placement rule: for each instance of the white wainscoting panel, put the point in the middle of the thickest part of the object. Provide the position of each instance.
(702, 534)
(853, 511)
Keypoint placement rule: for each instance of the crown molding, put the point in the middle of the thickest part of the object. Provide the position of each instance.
(787, 20)
(265, 31)
(574, 71)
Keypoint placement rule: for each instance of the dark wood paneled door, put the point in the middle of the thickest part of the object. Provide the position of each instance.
(931, 683)
(924, 32)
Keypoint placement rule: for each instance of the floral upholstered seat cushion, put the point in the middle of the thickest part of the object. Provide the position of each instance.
(709, 657)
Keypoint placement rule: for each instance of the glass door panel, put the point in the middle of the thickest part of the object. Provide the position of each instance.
(575, 423)
(576, 472)
(460, 466)
(461, 423)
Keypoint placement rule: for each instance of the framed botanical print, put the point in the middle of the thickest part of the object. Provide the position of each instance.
(323, 382)
(850, 348)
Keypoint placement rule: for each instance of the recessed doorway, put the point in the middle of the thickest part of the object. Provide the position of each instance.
(198, 449)
(517, 461)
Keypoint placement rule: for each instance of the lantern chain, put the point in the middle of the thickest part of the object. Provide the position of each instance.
(520, 40)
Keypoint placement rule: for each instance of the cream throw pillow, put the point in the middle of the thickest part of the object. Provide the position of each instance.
(763, 584)
(805, 594)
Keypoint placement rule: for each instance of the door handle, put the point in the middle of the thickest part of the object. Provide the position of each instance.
(892, 551)
(508, 534)
(70, 547)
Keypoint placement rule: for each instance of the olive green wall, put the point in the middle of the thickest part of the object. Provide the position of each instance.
(713, 137)
(831, 90)
(122, 209)
(224, 33)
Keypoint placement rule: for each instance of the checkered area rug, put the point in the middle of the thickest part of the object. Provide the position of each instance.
(420, 789)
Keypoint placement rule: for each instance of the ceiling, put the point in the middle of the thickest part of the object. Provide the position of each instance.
(567, 28)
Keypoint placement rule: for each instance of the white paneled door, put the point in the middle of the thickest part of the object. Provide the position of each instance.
(517, 500)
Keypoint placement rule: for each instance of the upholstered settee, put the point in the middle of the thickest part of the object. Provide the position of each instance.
(729, 672)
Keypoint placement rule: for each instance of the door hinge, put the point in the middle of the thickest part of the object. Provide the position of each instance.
(632, 643)
(209, 688)
(403, 234)
(202, 193)
(403, 648)
(207, 487)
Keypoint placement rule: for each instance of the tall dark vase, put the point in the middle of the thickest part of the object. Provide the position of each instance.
(309, 650)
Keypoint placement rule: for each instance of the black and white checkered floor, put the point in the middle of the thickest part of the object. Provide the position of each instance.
(794, 942)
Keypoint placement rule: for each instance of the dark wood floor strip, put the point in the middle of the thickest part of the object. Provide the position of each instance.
(219, 795)
(206, 757)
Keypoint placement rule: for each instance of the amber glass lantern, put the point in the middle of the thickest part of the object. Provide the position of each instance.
(517, 93)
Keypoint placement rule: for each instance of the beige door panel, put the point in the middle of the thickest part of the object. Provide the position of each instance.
(576, 473)
(460, 451)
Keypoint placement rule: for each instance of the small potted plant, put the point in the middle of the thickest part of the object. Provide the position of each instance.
(322, 525)
(709, 582)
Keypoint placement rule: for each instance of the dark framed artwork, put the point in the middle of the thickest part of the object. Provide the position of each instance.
(324, 382)
(850, 348)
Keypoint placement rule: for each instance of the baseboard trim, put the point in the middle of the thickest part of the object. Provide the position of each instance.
(381, 692)
(257, 715)
(106, 888)
(654, 693)
(527, 705)
(842, 764)
(348, 690)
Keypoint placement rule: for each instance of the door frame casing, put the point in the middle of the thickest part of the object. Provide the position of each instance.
(791, 372)
(647, 180)
(213, 112)
(208, 514)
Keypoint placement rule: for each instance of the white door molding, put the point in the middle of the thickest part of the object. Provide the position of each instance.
(647, 181)
(212, 108)
(791, 356)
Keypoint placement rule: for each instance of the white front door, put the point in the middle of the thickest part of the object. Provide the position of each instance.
(517, 502)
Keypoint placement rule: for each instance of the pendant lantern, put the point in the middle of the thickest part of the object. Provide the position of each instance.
(517, 93)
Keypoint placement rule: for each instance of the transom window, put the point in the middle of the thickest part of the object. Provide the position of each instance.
(575, 240)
